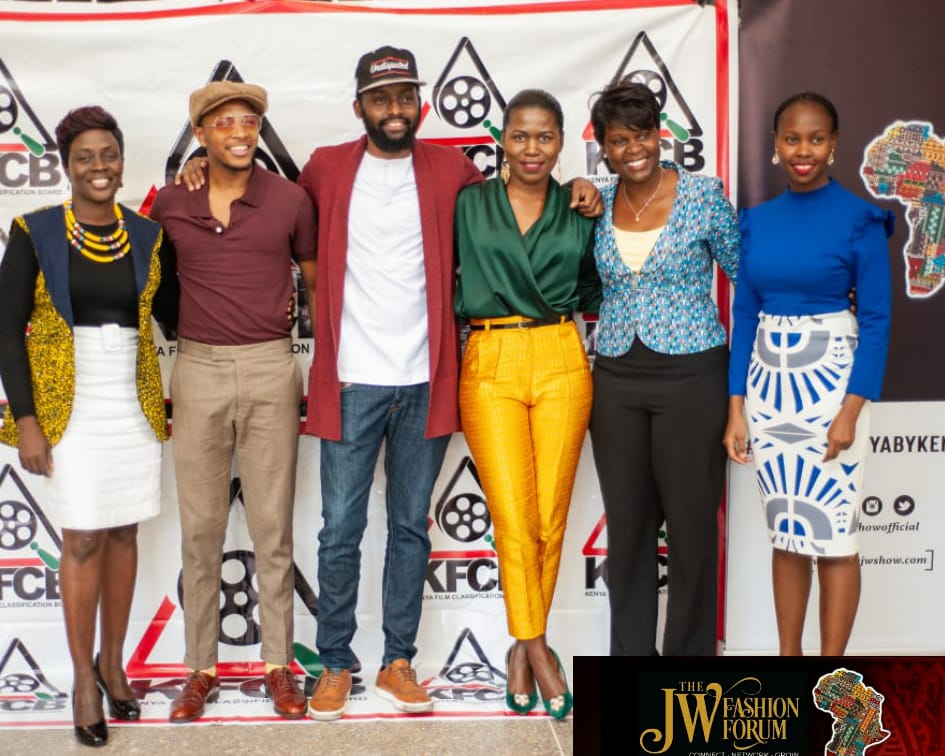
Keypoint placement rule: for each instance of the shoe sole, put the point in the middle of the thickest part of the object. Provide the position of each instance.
(410, 708)
(326, 716)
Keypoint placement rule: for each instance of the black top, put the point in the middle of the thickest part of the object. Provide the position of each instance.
(101, 293)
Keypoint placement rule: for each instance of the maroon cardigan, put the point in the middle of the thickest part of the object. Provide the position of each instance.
(328, 177)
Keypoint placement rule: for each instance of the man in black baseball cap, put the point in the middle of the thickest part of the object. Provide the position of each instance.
(386, 366)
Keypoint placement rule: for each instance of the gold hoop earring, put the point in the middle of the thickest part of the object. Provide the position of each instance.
(830, 158)
(505, 173)
(775, 158)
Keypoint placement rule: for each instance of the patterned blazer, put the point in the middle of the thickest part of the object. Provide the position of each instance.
(669, 303)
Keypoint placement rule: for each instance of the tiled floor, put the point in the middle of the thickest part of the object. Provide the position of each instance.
(538, 736)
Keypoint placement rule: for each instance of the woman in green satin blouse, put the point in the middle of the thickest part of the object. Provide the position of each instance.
(526, 263)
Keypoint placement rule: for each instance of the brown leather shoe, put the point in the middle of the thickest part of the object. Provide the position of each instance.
(199, 690)
(397, 682)
(288, 701)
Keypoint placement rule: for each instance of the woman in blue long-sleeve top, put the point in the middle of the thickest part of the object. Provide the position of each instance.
(803, 368)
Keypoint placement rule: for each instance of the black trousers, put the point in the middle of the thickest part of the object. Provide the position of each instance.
(656, 429)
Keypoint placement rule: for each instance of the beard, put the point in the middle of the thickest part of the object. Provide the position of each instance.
(384, 143)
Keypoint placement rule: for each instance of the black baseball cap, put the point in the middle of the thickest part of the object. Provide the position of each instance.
(386, 65)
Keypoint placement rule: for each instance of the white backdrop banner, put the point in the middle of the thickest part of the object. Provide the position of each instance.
(141, 65)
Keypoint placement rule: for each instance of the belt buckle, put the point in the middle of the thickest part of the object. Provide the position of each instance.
(111, 337)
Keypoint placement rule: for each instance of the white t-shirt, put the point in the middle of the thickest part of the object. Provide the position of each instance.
(384, 331)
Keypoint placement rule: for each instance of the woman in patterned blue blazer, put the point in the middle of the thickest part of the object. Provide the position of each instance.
(804, 368)
(659, 378)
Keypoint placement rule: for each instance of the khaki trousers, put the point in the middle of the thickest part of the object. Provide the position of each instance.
(243, 400)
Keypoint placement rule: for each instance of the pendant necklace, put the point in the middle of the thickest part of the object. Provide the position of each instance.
(626, 197)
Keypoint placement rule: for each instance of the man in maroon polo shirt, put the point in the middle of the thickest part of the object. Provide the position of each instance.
(236, 386)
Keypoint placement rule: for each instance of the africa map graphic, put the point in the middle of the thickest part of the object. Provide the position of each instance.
(857, 711)
(907, 163)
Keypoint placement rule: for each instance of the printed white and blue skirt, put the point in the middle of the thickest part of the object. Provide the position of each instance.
(797, 381)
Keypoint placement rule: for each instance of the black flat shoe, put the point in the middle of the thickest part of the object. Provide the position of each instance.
(126, 709)
(93, 735)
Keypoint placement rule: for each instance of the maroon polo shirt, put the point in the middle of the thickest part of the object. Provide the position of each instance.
(235, 280)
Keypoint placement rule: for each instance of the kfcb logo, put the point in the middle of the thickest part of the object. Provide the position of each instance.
(467, 675)
(466, 99)
(595, 560)
(24, 686)
(465, 565)
(29, 547)
(680, 131)
(29, 162)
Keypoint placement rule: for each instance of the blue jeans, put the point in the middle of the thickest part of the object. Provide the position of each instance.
(370, 415)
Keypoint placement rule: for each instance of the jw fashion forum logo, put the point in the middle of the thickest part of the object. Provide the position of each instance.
(680, 131)
(463, 562)
(723, 713)
(29, 162)
(29, 547)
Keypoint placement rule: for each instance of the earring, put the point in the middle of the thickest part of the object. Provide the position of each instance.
(558, 171)
(830, 158)
(775, 158)
(505, 174)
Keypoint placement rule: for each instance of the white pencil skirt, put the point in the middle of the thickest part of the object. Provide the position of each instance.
(797, 380)
(107, 465)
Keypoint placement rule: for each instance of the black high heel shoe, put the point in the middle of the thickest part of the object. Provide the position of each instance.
(126, 709)
(93, 735)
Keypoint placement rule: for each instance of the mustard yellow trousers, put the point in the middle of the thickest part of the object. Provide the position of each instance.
(525, 400)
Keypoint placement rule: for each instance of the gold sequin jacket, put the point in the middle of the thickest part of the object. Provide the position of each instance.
(50, 344)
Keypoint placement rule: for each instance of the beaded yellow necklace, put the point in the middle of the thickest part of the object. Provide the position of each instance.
(100, 249)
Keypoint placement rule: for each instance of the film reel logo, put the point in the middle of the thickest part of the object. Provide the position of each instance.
(680, 131)
(277, 159)
(467, 100)
(463, 564)
(468, 675)
(239, 591)
(28, 157)
(29, 545)
(463, 514)
(24, 686)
